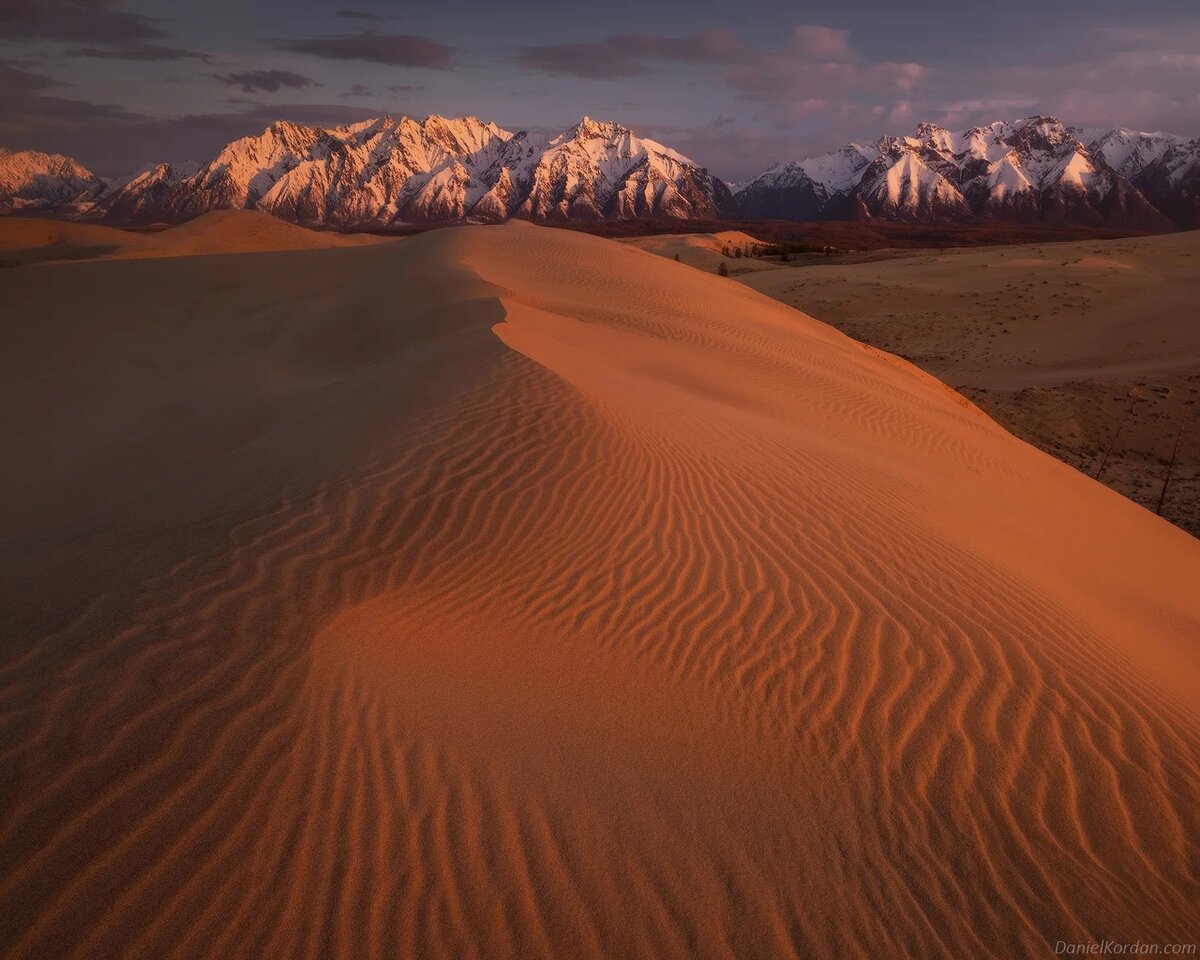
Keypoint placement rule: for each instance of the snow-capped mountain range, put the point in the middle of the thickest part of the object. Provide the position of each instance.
(389, 171)
(1031, 169)
(393, 171)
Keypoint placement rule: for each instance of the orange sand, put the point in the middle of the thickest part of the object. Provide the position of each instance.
(26, 240)
(1088, 350)
(508, 592)
(703, 250)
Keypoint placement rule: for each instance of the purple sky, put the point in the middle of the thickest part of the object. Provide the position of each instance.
(736, 86)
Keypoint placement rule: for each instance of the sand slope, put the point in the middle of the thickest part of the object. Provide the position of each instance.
(1089, 350)
(508, 592)
(26, 240)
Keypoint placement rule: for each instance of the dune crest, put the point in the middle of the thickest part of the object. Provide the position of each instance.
(568, 603)
(28, 240)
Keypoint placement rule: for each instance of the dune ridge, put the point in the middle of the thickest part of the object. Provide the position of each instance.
(580, 605)
(28, 240)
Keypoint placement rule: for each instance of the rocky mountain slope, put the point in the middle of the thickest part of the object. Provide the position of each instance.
(388, 171)
(394, 171)
(1172, 183)
(30, 180)
(1031, 169)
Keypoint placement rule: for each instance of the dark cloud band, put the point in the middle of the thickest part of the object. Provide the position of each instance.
(392, 49)
(268, 81)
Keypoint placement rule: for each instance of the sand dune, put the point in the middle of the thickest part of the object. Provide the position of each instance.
(26, 240)
(508, 592)
(1087, 350)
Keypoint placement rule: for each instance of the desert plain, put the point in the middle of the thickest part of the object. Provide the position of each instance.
(511, 592)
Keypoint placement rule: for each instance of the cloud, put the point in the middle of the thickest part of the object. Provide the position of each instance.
(16, 82)
(24, 103)
(31, 117)
(360, 15)
(703, 46)
(991, 106)
(87, 21)
(357, 90)
(592, 61)
(811, 75)
(149, 52)
(821, 43)
(816, 78)
(268, 81)
(595, 61)
(810, 89)
(112, 140)
(392, 49)
(784, 78)
(105, 31)
(1137, 60)
(1128, 77)
(632, 54)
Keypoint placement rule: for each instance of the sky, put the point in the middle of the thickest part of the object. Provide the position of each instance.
(735, 85)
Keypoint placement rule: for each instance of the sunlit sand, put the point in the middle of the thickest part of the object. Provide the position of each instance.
(511, 592)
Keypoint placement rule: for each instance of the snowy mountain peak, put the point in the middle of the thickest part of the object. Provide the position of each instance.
(1031, 168)
(283, 128)
(937, 137)
(31, 180)
(1038, 121)
(1129, 152)
(389, 170)
(1041, 133)
(587, 128)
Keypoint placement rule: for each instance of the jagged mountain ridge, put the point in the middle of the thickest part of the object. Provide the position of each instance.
(31, 180)
(1036, 168)
(388, 171)
(1172, 183)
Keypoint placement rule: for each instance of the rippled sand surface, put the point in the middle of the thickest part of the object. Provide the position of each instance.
(509, 592)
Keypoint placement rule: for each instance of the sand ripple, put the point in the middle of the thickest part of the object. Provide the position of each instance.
(674, 624)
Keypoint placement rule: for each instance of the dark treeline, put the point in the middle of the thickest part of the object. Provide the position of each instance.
(781, 251)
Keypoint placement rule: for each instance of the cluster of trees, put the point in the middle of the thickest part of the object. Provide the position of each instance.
(784, 251)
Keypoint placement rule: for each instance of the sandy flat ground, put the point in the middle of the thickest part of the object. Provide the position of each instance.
(1089, 350)
(509, 592)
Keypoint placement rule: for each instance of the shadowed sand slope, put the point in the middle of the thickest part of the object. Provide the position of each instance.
(509, 592)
